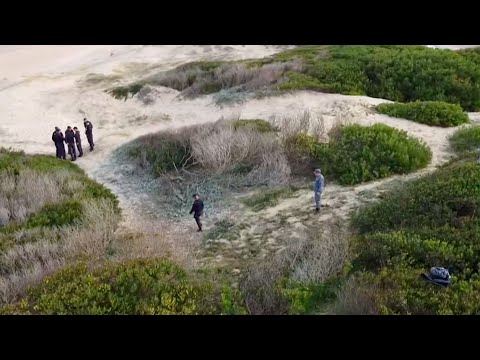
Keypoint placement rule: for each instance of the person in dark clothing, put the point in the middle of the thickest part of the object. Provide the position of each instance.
(58, 139)
(89, 132)
(70, 140)
(78, 141)
(197, 210)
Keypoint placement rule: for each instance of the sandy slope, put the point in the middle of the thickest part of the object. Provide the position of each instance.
(45, 86)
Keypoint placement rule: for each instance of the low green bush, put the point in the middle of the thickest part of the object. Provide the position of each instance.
(123, 92)
(139, 287)
(11, 160)
(436, 200)
(161, 152)
(435, 113)
(56, 215)
(466, 139)
(357, 153)
(308, 299)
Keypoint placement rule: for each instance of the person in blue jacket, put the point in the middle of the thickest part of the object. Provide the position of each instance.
(318, 188)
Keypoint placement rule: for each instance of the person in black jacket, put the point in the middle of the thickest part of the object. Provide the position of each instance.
(58, 139)
(70, 140)
(78, 141)
(197, 210)
(89, 132)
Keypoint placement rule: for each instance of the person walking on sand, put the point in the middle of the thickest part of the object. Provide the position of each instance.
(78, 141)
(70, 140)
(58, 139)
(197, 210)
(318, 188)
(89, 132)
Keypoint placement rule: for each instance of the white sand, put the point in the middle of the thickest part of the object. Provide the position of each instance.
(43, 86)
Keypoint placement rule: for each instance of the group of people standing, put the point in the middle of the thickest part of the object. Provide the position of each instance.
(73, 140)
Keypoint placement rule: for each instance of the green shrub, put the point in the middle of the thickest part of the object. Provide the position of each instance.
(435, 113)
(18, 160)
(387, 72)
(440, 199)
(161, 152)
(466, 139)
(123, 92)
(297, 81)
(258, 125)
(56, 215)
(357, 153)
(306, 299)
(231, 300)
(140, 287)
(302, 144)
(94, 190)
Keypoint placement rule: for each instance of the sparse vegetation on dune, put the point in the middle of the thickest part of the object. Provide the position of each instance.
(434, 113)
(302, 278)
(51, 213)
(267, 198)
(377, 71)
(258, 125)
(42, 191)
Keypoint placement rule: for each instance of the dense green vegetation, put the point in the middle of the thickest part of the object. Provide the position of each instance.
(161, 152)
(398, 73)
(434, 113)
(466, 139)
(142, 287)
(393, 72)
(357, 153)
(430, 222)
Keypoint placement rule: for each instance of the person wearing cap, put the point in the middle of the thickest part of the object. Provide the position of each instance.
(89, 132)
(318, 188)
(58, 139)
(78, 141)
(70, 140)
(197, 210)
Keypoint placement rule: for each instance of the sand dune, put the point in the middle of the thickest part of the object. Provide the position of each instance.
(46, 86)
